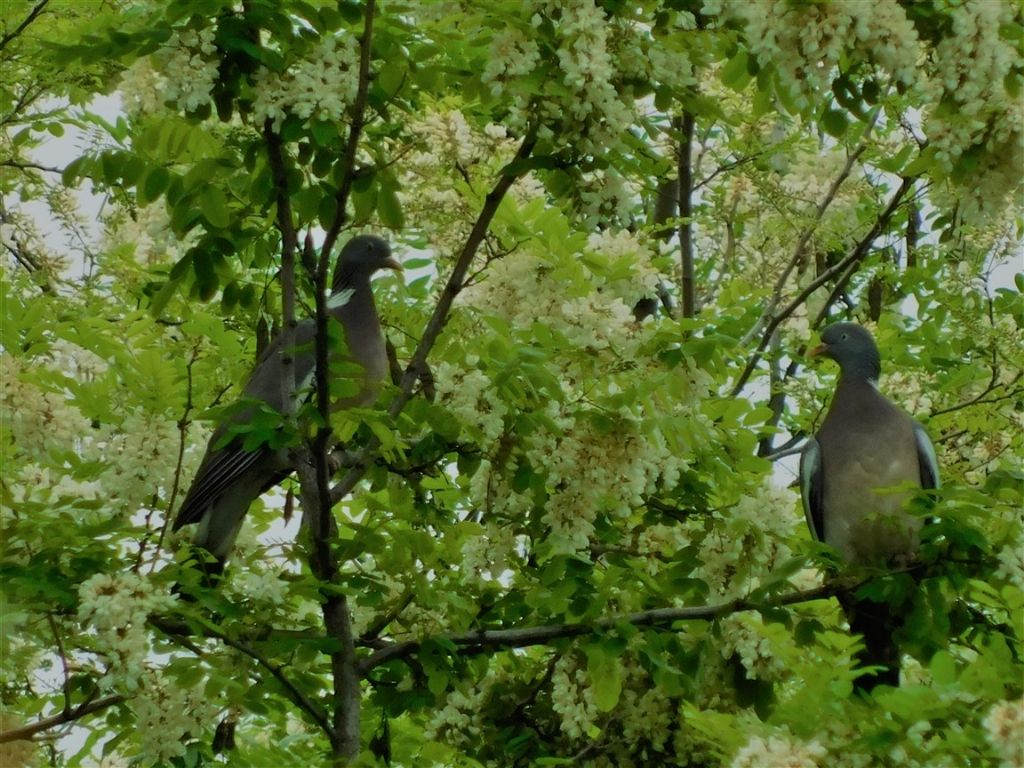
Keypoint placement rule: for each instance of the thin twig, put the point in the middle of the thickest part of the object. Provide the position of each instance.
(444, 304)
(300, 699)
(32, 15)
(855, 257)
(803, 239)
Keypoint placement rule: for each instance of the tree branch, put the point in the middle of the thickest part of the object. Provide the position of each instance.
(685, 172)
(343, 730)
(298, 698)
(32, 15)
(481, 641)
(26, 732)
(444, 304)
(289, 243)
(804, 238)
(854, 258)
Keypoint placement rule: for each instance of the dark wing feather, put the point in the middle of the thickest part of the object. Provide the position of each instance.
(926, 459)
(222, 467)
(215, 476)
(812, 488)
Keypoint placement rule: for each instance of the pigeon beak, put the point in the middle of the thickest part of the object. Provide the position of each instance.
(392, 263)
(821, 349)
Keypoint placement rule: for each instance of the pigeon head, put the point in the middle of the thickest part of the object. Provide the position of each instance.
(852, 347)
(360, 258)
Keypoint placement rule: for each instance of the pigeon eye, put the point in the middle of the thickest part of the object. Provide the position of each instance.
(845, 336)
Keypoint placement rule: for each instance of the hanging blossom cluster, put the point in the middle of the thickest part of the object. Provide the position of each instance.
(780, 750)
(458, 722)
(588, 100)
(165, 714)
(183, 72)
(451, 154)
(322, 84)
(806, 42)
(589, 468)
(572, 698)
(1004, 728)
(39, 420)
(748, 542)
(116, 607)
(976, 113)
(744, 634)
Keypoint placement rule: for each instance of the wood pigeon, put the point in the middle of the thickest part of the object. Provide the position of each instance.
(865, 448)
(230, 478)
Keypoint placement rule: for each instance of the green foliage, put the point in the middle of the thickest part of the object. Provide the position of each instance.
(569, 468)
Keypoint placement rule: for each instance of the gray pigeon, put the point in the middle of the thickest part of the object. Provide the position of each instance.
(230, 478)
(866, 447)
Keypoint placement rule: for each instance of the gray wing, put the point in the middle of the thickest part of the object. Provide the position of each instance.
(926, 459)
(224, 465)
(812, 488)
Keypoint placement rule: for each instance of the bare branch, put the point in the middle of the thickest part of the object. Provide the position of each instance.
(444, 304)
(26, 732)
(343, 730)
(482, 641)
(183, 424)
(28, 166)
(298, 698)
(853, 259)
(685, 126)
(358, 116)
(32, 15)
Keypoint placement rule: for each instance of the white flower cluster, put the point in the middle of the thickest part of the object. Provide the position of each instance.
(458, 722)
(140, 455)
(593, 107)
(116, 608)
(743, 634)
(39, 421)
(806, 42)
(322, 84)
(450, 152)
(647, 715)
(608, 196)
(749, 540)
(572, 697)
(468, 393)
(1004, 726)
(590, 470)
(183, 71)
(779, 752)
(165, 714)
(82, 364)
(511, 55)
(488, 554)
(148, 232)
(36, 483)
(976, 114)
(1011, 562)
(190, 66)
(142, 88)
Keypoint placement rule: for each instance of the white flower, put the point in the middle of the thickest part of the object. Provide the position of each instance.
(779, 752)
(1005, 731)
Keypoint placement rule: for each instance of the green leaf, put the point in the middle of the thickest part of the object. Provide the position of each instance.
(835, 122)
(215, 206)
(605, 676)
(389, 208)
(153, 184)
(736, 72)
(392, 76)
